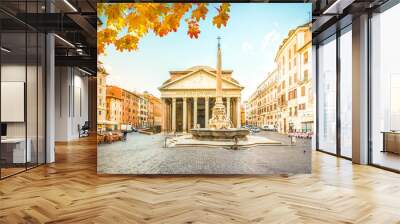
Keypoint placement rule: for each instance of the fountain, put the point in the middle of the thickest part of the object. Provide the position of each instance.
(220, 126)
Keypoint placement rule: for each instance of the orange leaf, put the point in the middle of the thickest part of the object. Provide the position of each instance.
(200, 12)
(193, 30)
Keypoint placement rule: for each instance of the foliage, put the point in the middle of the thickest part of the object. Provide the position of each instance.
(123, 24)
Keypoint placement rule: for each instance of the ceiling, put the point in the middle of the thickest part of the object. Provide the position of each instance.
(73, 21)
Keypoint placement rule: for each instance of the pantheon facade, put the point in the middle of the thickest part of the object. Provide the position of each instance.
(188, 97)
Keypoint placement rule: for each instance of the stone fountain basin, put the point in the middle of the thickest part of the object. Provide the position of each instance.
(229, 134)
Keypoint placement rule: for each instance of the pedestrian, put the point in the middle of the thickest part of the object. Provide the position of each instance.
(124, 135)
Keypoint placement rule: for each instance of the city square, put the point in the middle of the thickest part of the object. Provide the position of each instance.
(151, 157)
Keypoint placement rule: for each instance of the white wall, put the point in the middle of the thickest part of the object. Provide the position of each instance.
(71, 103)
(33, 126)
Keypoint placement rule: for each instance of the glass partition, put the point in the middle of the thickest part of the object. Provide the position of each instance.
(22, 90)
(14, 153)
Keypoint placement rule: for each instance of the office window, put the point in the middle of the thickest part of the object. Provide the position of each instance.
(346, 93)
(327, 95)
(385, 89)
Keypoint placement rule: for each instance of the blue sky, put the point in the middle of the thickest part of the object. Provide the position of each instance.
(249, 43)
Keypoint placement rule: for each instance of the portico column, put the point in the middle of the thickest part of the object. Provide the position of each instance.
(173, 114)
(238, 113)
(194, 112)
(206, 112)
(164, 115)
(184, 115)
(169, 117)
(228, 107)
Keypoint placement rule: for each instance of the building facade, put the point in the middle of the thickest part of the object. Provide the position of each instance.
(284, 99)
(101, 97)
(189, 95)
(114, 105)
(143, 111)
(154, 110)
(130, 108)
(242, 115)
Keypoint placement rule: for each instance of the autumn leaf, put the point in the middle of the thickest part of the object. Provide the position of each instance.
(193, 29)
(200, 12)
(127, 42)
(223, 15)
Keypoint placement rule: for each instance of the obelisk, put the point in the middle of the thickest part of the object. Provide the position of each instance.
(219, 119)
(219, 75)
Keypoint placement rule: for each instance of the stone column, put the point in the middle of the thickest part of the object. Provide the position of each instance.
(173, 114)
(189, 115)
(194, 112)
(206, 112)
(228, 107)
(169, 117)
(164, 115)
(184, 115)
(238, 113)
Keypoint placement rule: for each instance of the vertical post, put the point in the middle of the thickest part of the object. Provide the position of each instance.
(206, 112)
(238, 113)
(174, 115)
(168, 117)
(194, 112)
(338, 76)
(184, 114)
(228, 107)
(50, 98)
(360, 59)
(164, 115)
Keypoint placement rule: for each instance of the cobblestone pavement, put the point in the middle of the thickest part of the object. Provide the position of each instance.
(145, 154)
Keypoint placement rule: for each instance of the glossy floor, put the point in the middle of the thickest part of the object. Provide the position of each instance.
(70, 191)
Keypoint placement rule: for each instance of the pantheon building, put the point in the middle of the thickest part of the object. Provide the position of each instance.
(188, 97)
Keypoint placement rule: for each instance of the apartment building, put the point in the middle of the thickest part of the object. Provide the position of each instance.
(143, 111)
(101, 97)
(285, 98)
(130, 108)
(243, 114)
(154, 117)
(271, 100)
(293, 63)
(114, 106)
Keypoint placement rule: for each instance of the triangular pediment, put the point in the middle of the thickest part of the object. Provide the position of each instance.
(200, 79)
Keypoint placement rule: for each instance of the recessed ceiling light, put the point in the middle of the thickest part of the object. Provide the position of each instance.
(5, 50)
(70, 5)
(64, 40)
(86, 72)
